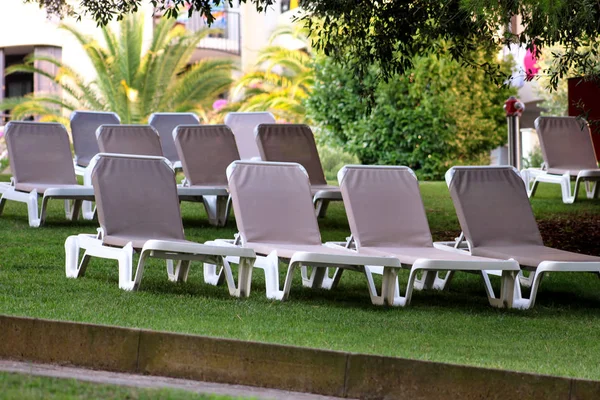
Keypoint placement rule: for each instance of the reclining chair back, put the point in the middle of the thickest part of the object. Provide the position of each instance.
(293, 143)
(566, 144)
(243, 125)
(272, 203)
(384, 206)
(83, 130)
(39, 153)
(136, 199)
(140, 140)
(205, 152)
(165, 123)
(492, 206)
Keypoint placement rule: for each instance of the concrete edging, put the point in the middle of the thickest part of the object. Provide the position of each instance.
(275, 366)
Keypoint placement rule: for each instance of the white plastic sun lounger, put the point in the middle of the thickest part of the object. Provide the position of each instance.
(165, 123)
(205, 152)
(568, 153)
(138, 210)
(144, 140)
(41, 163)
(83, 130)
(243, 124)
(497, 221)
(296, 143)
(387, 218)
(275, 217)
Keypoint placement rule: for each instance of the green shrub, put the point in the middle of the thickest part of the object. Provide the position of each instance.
(439, 115)
(534, 159)
(333, 159)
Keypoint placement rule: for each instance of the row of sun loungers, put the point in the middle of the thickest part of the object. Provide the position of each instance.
(138, 210)
(203, 152)
(277, 223)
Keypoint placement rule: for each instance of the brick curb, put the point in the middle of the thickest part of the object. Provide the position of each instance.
(275, 366)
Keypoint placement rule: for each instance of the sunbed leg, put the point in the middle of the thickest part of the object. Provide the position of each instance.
(180, 272)
(72, 209)
(72, 250)
(244, 278)
(426, 281)
(32, 210)
(242, 289)
(489, 290)
(125, 260)
(316, 279)
(321, 207)
(388, 286)
(530, 186)
(2, 203)
(565, 184)
(525, 280)
(270, 264)
(287, 286)
(87, 208)
(507, 289)
(375, 298)
(211, 276)
(591, 189)
(217, 209)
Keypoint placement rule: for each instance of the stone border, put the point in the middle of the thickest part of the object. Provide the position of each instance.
(275, 366)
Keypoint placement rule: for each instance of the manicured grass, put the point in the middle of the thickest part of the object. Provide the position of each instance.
(559, 336)
(23, 387)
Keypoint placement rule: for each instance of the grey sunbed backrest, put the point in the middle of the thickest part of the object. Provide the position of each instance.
(566, 143)
(243, 124)
(136, 197)
(492, 206)
(272, 203)
(205, 152)
(129, 139)
(83, 130)
(39, 152)
(384, 206)
(291, 143)
(165, 123)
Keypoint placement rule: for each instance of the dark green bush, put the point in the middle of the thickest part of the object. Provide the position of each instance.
(439, 115)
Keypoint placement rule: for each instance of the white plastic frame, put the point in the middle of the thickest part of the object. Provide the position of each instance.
(73, 198)
(590, 178)
(184, 253)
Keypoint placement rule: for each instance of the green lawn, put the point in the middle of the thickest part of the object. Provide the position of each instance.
(23, 387)
(559, 336)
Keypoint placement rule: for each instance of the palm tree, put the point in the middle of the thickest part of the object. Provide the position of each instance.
(282, 80)
(128, 81)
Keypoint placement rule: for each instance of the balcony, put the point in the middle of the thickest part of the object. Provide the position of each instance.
(228, 39)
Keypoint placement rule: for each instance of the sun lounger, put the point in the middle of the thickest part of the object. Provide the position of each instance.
(138, 210)
(275, 218)
(568, 155)
(40, 158)
(296, 143)
(497, 221)
(242, 125)
(142, 140)
(205, 152)
(83, 130)
(165, 123)
(387, 218)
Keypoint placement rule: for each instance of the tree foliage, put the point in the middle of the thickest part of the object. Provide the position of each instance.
(391, 34)
(129, 81)
(281, 80)
(436, 115)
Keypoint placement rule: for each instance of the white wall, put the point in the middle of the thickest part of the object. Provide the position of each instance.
(27, 25)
